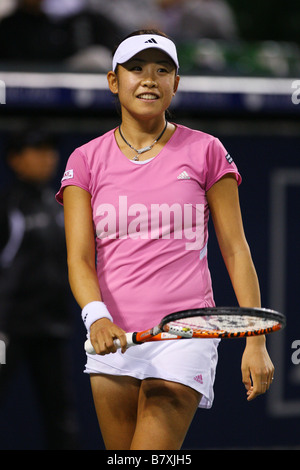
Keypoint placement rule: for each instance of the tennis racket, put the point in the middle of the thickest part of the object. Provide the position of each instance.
(211, 322)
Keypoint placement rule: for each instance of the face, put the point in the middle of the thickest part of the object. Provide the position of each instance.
(35, 165)
(145, 84)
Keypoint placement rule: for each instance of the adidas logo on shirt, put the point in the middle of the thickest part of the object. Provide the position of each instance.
(183, 176)
(152, 40)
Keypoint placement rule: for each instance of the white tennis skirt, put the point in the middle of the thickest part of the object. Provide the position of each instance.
(190, 362)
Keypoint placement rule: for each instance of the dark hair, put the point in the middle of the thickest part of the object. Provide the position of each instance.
(29, 137)
(139, 32)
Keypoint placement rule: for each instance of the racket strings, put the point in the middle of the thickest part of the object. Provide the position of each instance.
(233, 323)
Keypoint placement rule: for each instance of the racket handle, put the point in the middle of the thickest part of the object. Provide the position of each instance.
(129, 341)
(90, 350)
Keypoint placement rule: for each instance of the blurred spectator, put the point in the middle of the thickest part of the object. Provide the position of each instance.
(63, 8)
(28, 34)
(31, 35)
(92, 37)
(193, 19)
(130, 15)
(35, 316)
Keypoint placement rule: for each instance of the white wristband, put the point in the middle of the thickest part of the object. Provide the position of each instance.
(94, 311)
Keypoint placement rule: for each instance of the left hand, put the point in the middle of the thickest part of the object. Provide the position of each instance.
(257, 367)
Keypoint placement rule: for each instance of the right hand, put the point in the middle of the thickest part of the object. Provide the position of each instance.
(102, 335)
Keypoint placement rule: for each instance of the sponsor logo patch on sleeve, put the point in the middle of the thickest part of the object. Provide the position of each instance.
(69, 174)
(229, 158)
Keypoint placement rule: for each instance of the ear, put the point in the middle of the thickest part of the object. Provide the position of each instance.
(176, 83)
(113, 82)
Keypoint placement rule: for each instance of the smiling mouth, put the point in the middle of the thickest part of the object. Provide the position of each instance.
(147, 96)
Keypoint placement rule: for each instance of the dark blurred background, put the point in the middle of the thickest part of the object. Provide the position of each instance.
(240, 69)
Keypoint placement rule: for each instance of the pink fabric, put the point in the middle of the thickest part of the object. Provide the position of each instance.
(151, 223)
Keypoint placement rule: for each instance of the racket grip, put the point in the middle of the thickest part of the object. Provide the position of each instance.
(129, 341)
(90, 350)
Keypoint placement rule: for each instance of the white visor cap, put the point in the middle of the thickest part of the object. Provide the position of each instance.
(135, 44)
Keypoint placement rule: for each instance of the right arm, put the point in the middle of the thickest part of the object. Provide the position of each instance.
(83, 278)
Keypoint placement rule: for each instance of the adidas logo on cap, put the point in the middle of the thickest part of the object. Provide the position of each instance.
(152, 40)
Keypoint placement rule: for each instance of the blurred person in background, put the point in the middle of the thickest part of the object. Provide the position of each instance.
(28, 34)
(194, 19)
(91, 37)
(129, 15)
(62, 8)
(35, 319)
(35, 33)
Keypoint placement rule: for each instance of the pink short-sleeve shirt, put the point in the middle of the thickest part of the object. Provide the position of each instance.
(151, 223)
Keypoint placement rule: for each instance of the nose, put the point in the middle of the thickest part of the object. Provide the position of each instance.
(149, 76)
(149, 82)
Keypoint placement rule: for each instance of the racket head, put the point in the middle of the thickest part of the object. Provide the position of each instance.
(223, 322)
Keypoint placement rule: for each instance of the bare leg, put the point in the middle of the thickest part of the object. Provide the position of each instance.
(116, 400)
(165, 412)
(150, 414)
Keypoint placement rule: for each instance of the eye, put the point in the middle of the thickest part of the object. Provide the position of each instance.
(165, 68)
(137, 68)
(132, 66)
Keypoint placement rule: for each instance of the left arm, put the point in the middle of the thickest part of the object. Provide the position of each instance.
(224, 206)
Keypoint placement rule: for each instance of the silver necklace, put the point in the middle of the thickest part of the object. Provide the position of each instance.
(144, 149)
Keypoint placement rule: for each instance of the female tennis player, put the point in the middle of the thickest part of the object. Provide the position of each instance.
(138, 198)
